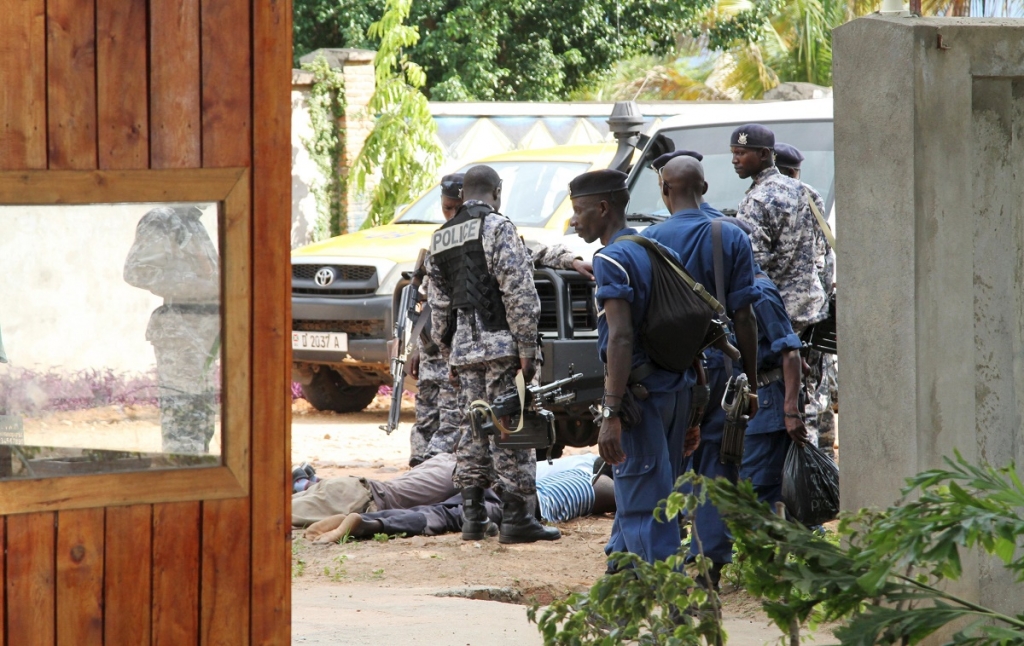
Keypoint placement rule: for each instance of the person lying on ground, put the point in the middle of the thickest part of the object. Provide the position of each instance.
(427, 483)
(567, 489)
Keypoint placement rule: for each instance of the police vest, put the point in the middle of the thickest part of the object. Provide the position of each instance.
(457, 249)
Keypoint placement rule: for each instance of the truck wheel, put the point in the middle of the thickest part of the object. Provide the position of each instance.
(329, 391)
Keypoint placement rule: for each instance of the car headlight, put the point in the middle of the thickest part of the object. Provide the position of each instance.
(390, 282)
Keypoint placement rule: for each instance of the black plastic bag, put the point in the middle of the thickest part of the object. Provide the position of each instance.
(810, 485)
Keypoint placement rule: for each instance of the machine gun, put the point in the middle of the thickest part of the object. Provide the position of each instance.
(517, 418)
(736, 404)
(405, 318)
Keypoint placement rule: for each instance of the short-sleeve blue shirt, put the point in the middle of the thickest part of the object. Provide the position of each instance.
(623, 270)
(774, 336)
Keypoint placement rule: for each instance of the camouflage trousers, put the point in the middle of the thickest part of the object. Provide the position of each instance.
(437, 420)
(822, 388)
(481, 462)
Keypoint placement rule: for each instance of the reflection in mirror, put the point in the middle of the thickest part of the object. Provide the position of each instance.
(111, 321)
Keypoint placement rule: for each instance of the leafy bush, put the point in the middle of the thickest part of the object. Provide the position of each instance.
(28, 391)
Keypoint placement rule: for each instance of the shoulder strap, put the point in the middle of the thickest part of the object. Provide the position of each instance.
(697, 288)
(827, 230)
(719, 262)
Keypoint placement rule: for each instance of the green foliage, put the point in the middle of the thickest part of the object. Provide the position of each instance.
(402, 150)
(326, 107)
(886, 584)
(515, 50)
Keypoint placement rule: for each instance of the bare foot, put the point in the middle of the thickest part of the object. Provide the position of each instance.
(321, 527)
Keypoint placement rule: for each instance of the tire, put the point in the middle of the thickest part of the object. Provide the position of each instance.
(329, 391)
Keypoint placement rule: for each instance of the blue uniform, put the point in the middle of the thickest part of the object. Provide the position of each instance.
(766, 443)
(654, 447)
(688, 233)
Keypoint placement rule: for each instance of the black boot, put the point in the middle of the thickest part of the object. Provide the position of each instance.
(475, 523)
(518, 524)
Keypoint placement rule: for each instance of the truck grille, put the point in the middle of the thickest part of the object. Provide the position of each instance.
(342, 272)
(315, 291)
(370, 329)
(581, 296)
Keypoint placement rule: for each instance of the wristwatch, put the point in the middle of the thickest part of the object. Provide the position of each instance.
(608, 412)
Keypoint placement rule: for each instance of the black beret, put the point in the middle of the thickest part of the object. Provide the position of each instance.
(597, 182)
(451, 185)
(787, 156)
(660, 162)
(752, 135)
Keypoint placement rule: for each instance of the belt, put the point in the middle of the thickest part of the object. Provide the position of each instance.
(765, 378)
(641, 372)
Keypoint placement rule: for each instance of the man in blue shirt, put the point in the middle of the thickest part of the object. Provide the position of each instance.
(646, 454)
(779, 421)
(688, 232)
(660, 162)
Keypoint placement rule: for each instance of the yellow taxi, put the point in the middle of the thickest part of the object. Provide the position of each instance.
(343, 288)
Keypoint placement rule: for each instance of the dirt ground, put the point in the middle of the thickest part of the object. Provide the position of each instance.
(353, 444)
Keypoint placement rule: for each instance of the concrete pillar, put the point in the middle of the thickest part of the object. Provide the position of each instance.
(929, 121)
(357, 69)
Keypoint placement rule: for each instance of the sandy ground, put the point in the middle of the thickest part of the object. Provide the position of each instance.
(438, 590)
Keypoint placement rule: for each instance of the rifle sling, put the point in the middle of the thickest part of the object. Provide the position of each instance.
(719, 262)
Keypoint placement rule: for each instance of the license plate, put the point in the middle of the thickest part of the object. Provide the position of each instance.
(328, 341)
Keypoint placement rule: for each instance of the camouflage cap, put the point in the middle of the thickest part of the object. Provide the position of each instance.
(752, 135)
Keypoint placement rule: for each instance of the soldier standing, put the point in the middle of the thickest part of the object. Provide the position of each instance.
(785, 234)
(821, 417)
(437, 410)
(485, 310)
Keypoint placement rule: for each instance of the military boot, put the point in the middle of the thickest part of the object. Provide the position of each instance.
(475, 523)
(518, 524)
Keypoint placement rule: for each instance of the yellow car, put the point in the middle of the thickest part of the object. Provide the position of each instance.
(343, 288)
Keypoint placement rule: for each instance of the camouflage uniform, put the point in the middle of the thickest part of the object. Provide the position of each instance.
(788, 244)
(487, 360)
(822, 381)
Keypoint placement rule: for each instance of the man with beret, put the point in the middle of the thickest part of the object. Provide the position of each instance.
(690, 233)
(646, 453)
(786, 239)
(660, 162)
(437, 411)
(823, 378)
(484, 315)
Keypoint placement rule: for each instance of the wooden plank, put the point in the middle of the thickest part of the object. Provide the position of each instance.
(71, 83)
(174, 77)
(80, 538)
(80, 187)
(176, 544)
(30, 579)
(114, 489)
(226, 84)
(23, 84)
(122, 84)
(128, 586)
(271, 557)
(3, 580)
(227, 141)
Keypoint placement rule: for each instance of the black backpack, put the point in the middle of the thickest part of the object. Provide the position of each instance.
(679, 313)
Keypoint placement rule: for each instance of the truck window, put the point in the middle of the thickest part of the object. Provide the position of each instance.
(725, 188)
(531, 192)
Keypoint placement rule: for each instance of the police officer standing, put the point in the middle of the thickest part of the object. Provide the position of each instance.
(785, 234)
(437, 411)
(484, 318)
(821, 419)
(646, 452)
(690, 233)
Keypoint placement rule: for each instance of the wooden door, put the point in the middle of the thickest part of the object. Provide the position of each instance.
(111, 85)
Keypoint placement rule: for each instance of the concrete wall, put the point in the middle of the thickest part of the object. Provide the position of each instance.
(64, 303)
(929, 170)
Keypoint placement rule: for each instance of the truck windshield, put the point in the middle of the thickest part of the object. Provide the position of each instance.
(725, 188)
(530, 192)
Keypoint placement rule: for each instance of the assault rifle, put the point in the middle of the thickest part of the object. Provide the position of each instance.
(736, 404)
(399, 348)
(501, 417)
